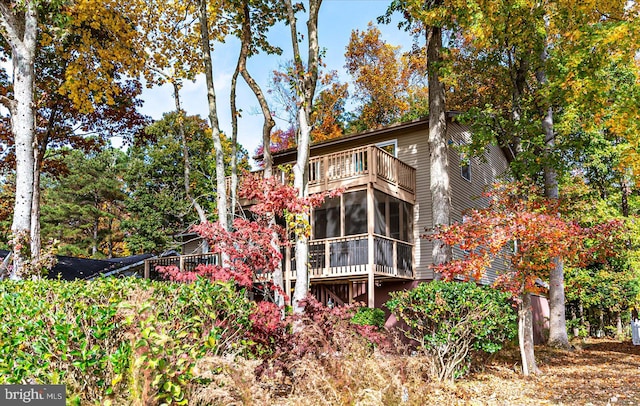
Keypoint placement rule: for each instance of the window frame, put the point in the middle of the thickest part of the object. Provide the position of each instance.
(384, 144)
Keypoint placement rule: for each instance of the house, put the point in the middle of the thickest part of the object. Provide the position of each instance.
(367, 242)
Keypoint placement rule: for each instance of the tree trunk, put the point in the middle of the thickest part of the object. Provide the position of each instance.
(306, 81)
(94, 246)
(300, 182)
(600, 322)
(574, 317)
(202, 216)
(525, 336)
(619, 324)
(19, 28)
(110, 239)
(438, 149)
(267, 127)
(221, 192)
(625, 190)
(234, 121)
(36, 241)
(558, 336)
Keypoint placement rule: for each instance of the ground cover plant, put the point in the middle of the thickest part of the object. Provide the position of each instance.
(129, 341)
(118, 340)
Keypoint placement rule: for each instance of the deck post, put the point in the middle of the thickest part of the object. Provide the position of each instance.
(146, 269)
(394, 252)
(371, 286)
(371, 152)
(371, 246)
(181, 263)
(287, 273)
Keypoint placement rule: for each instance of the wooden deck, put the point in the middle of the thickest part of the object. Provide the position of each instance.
(357, 167)
(329, 259)
(360, 166)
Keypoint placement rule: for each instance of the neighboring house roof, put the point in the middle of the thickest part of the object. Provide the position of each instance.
(72, 268)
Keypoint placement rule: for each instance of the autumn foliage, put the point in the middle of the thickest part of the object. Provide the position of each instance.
(525, 231)
(247, 246)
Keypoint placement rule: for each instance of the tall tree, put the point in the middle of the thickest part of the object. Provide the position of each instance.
(532, 61)
(156, 195)
(380, 80)
(82, 209)
(172, 41)
(432, 18)
(206, 37)
(255, 18)
(554, 54)
(20, 28)
(305, 80)
(96, 38)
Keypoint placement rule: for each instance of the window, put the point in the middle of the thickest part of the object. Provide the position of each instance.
(389, 146)
(465, 167)
(329, 222)
(393, 217)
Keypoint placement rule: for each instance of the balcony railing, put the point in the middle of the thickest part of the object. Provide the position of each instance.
(358, 166)
(185, 263)
(330, 258)
(341, 257)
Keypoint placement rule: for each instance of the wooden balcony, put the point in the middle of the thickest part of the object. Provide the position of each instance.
(360, 166)
(353, 257)
(356, 257)
(357, 167)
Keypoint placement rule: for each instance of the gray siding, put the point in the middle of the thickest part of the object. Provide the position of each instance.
(467, 194)
(413, 149)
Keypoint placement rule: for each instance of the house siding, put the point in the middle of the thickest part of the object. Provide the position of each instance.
(413, 149)
(467, 194)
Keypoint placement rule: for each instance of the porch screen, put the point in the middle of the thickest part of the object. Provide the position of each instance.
(326, 219)
(393, 217)
(355, 212)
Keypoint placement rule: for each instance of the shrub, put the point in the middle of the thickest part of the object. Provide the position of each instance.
(123, 340)
(366, 316)
(449, 321)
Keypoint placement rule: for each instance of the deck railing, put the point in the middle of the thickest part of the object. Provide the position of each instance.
(328, 258)
(354, 167)
(349, 256)
(185, 263)
(369, 163)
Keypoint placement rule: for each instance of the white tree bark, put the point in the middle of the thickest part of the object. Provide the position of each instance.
(305, 80)
(221, 193)
(300, 182)
(19, 29)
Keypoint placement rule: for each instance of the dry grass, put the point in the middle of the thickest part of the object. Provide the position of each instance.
(602, 372)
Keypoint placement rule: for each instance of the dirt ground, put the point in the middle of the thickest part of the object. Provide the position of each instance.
(597, 372)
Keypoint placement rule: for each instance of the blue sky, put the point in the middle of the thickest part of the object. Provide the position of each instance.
(336, 21)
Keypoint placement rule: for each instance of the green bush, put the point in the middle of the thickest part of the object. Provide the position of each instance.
(449, 321)
(366, 316)
(122, 340)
